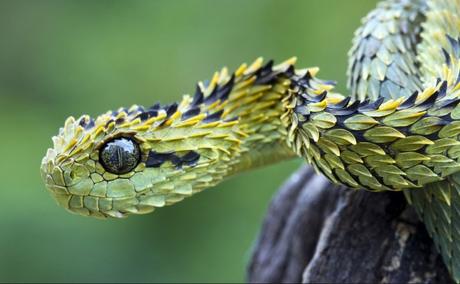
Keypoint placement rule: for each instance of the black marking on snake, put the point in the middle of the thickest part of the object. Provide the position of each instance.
(343, 103)
(224, 91)
(108, 122)
(312, 99)
(446, 56)
(290, 71)
(190, 158)
(191, 113)
(171, 109)
(364, 102)
(341, 120)
(175, 160)
(446, 118)
(409, 102)
(146, 115)
(198, 97)
(83, 122)
(443, 122)
(213, 117)
(156, 106)
(265, 74)
(432, 136)
(267, 79)
(319, 97)
(120, 120)
(359, 135)
(156, 159)
(212, 96)
(371, 105)
(351, 109)
(428, 103)
(305, 80)
(442, 90)
(218, 93)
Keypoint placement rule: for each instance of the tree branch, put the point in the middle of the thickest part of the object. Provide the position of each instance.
(315, 231)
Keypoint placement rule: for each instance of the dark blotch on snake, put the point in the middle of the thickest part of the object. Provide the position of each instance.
(213, 117)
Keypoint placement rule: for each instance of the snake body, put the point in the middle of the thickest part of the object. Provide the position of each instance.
(398, 130)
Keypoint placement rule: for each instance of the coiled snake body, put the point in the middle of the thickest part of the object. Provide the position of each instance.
(398, 130)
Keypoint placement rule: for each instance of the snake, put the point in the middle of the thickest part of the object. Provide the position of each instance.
(397, 130)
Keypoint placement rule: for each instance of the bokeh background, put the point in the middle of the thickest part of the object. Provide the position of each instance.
(60, 58)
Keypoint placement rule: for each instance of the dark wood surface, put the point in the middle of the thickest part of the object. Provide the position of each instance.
(315, 231)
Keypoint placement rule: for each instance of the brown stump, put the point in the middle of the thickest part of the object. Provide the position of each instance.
(315, 231)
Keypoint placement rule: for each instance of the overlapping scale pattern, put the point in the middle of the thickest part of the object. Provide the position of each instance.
(376, 145)
(383, 61)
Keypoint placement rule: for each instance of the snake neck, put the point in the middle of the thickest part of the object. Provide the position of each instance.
(377, 145)
(233, 120)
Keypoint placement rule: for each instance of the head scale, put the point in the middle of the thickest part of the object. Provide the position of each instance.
(131, 161)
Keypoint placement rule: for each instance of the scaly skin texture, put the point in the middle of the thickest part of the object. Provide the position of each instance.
(398, 130)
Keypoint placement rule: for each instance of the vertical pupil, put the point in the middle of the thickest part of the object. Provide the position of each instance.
(120, 155)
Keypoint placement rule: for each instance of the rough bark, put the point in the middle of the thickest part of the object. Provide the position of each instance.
(315, 231)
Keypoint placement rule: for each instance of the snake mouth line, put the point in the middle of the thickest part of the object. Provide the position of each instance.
(103, 207)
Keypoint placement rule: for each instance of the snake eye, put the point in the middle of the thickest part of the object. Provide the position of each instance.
(120, 155)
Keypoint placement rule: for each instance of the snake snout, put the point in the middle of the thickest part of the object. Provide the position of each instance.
(68, 182)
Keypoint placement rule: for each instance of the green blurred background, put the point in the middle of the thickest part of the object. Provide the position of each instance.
(60, 58)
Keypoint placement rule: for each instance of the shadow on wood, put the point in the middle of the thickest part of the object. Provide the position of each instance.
(316, 231)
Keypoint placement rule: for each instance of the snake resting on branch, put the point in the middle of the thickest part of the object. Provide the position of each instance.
(398, 129)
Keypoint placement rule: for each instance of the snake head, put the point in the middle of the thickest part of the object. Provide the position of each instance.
(128, 161)
(138, 159)
(135, 160)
